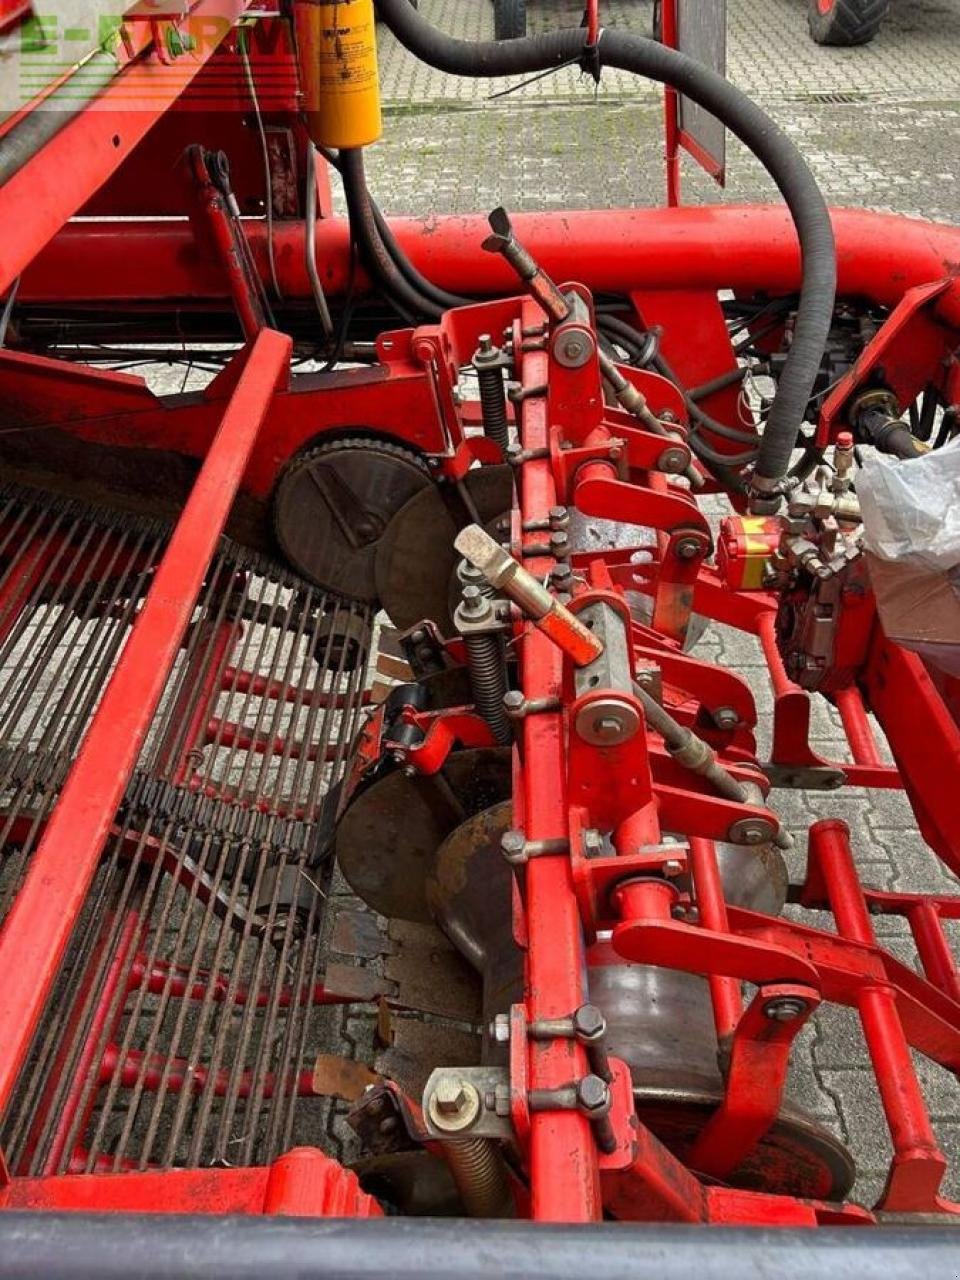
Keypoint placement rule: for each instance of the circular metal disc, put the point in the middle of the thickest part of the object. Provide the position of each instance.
(333, 505)
(797, 1156)
(387, 839)
(469, 885)
(416, 559)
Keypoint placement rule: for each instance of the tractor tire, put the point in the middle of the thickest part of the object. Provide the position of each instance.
(509, 19)
(845, 22)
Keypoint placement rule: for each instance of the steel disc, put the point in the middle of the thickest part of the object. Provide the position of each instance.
(333, 505)
(388, 836)
(797, 1156)
(416, 559)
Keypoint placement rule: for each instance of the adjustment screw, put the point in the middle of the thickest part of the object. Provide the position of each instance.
(725, 718)
(785, 1008)
(472, 599)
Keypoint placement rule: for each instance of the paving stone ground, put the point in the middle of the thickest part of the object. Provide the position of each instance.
(881, 128)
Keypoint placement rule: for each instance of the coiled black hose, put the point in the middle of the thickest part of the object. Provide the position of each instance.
(744, 118)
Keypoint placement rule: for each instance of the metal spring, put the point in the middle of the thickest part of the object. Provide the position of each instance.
(480, 1175)
(493, 405)
(488, 679)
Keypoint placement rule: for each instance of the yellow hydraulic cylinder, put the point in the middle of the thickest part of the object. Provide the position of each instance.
(337, 52)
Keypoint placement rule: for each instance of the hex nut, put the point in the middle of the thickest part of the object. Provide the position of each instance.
(785, 1008)
(593, 1095)
(589, 1023)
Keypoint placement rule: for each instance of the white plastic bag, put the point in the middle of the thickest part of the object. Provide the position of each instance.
(911, 534)
(911, 507)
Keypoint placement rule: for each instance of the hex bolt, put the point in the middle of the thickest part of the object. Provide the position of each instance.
(559, 518)
(672, 868)
(513, 846)
(500, 1028)
(725, 718)
(689, 548)
(473, 599)
(592, 842)
(450, 1096)
(590, 1028)
(593, 1095)
(785, 1008)
(673, 461)
(470, 576)
(751, 831)
(454, 1104)
(561, 577)
(517, 852)
(593, 1099)
(514, 702)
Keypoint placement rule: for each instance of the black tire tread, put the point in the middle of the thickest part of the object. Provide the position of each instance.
(849, 22)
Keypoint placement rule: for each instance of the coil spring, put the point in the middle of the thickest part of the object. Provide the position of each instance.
(479, 1173)
(488, 679)
(493, 406)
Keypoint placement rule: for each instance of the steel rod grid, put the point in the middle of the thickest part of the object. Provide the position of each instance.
(181, 1031)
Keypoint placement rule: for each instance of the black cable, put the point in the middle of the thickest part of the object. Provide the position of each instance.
(744, 118)
(347, 314)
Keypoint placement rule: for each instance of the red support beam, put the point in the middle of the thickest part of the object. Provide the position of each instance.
(739, 247)
(37, 930)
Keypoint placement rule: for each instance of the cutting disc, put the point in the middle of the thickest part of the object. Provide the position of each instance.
(333, 505)
(416, 561)
(387, 839)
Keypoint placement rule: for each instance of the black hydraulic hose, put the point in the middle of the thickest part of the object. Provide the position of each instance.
(440, 298)
(744, 118)
(408, 300)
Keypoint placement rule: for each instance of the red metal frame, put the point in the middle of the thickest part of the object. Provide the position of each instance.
(676, 138)
(240, 433)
